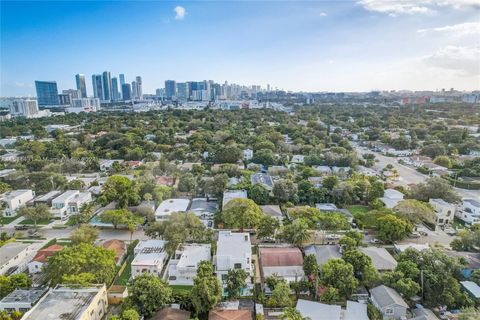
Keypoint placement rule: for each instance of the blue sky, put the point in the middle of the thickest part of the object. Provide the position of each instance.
(313, 46)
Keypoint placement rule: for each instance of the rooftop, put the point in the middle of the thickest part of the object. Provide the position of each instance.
(472, 202)
(393, 194)
(326, 206)
(230, 315)
(43, 254)
(318, 311)
(118, 246)
(204, 205)
(171, 314)
(356, 311)
(272, 210)
(323, 253)
(24, 296)
(48, 196)
(172, 205)
(280, 257)
(229, 195)
(386, 296)
(11, 250)
(15, 193)
(471, 287)
(193, 254)
(261, 178)
(381, 258)
(230, 245)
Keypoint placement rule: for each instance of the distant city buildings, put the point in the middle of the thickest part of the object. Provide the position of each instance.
(24, 108)
(81, 86)
(47, 93)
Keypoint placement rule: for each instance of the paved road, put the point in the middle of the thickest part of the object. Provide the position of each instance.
(407, 174)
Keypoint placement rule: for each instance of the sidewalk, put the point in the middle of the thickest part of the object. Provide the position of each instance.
(15, 222)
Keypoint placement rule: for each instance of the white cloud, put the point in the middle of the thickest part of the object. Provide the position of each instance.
(465, 60)
(396, 7)
(180, 13)
(323, 14)
(462, 29)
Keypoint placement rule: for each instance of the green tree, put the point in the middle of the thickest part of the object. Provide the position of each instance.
(435, 188)
(242, 214)
(82, 258)
(117, 217)
(81, 280)
(84, 234)
(228, 154)
(296, 232)
(291, 313)
(415, 211)
(149, 293)
(339, 274)
(280, 296)
(273, 280)
(267, 227)
(40, 211)
(285, 190)
(122, 190)
(16, 281)
(330, 182)
(259, 194)
(187, 183)
(207, 290)
(236, 281)
(443, 161)
(330, 295)
(392, 228)
(310, 266)
(178, 228)
(264, 156)
(469, 314)
(362, 267)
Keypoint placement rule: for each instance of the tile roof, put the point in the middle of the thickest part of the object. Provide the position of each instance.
(43, 254)
(230, 315)
(281, 257)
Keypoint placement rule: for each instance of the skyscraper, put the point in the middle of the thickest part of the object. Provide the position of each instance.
(126, 92)
(122, 79)
(134, 90)
(97, 84)
(107, 86)
(170, 88)
(183, 91)
(139, 88)
(24, 108)
(115, 93)
(47, 93)
(80, 80)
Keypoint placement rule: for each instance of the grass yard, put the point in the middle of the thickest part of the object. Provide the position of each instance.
(358, 210)
(127, 272)
(7, 220)
(181, 288)
(39, 222)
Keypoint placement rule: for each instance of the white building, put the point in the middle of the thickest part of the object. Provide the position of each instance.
(234, 251)
(247, 154)
(21, 300)
(469, 211)
(444, 211)
(168, 206)
(71, 303)
(150, 257)
(298, 159)
(205, 210)
(391, 198)
(15, 256)
(84, 105)
(183, 266)
(390, 304)
(24, 108)
(106, 164)
(14, 200)
(70, 202)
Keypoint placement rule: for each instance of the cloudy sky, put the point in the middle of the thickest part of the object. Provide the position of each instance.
(311, 46)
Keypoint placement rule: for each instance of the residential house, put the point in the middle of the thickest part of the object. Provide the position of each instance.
(273, 211)
(422, 313)
(323, 253)
(15, 256)
(391, 198)
(262, 179)
(14, 200)
(69, 203)
(117, 246)
(226, 314)
(389, 302)
(382, 260)
(472, 260)
(165, 181)
(21, 300)
(355, 311)
(285, 262)
(106, 164)
(168, 206)
(298, 159)
(469, 212)
(205, 210)
(150, 259)
(234, 251)
(229, 195)
(171, 314)
(277, 170)
(318, 311)
(182, 267)
(10, 156)
(472, 289)
(40, 259)
(444, 211)
(63, 302)
(399, 248)
(46, 198)
(247, 154)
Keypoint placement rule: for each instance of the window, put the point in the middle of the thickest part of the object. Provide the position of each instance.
(389, 311)
(449, 213)
(224, 277)
(237, 265)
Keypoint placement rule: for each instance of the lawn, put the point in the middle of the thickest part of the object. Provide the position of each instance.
(39, 222)
(6, 220)
(127, 272)
(181, 288)
(358, 210)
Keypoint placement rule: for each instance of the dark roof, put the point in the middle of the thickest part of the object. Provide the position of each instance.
(171, 314)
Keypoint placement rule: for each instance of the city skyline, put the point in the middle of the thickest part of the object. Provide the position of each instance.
(321, 46)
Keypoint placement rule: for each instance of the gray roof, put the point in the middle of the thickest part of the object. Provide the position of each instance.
(386, 296)
(20, 295)
(272, 210)
(473, 202)
(423, 314)
(261, 178)
(318, 311)
(323, 253)
(203, 204)
(471, 287)
(381, 258)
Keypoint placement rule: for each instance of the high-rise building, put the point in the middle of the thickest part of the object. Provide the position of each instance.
(115, 93)
(139, 88)
(85, 105)
(126, 92)
(47, 93)
(97, 83)
(64, 99)
(134, 90)
(24, 108)
(80, 80)
(183, 91)
(107, 86)
(170, 89)
(74, 94)
(122, 79)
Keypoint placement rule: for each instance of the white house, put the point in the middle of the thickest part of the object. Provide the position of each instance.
(182, 268)
(21, 300)
(14, 200)
(106, 164)
(390, 304)
(469, 211)
(298, 159)
(391, 198)
(247, 154)
(168, 206)
(70, 202)
(15, 256)
(149, 257)
(444, 211)
(234, 251)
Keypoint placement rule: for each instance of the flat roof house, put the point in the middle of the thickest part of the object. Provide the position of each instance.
(14, 200)
(150, 259)
(71, 303)
(21, 300)
(444, 211)
(15, 256)
(234, 251)
(70, 202)
(286, 262)
(390, 304)
(182, 268)
(168, 206)
(469, 211)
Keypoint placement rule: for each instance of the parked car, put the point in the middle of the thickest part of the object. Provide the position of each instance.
(415, 235)
(21, 227)
(450, 231)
